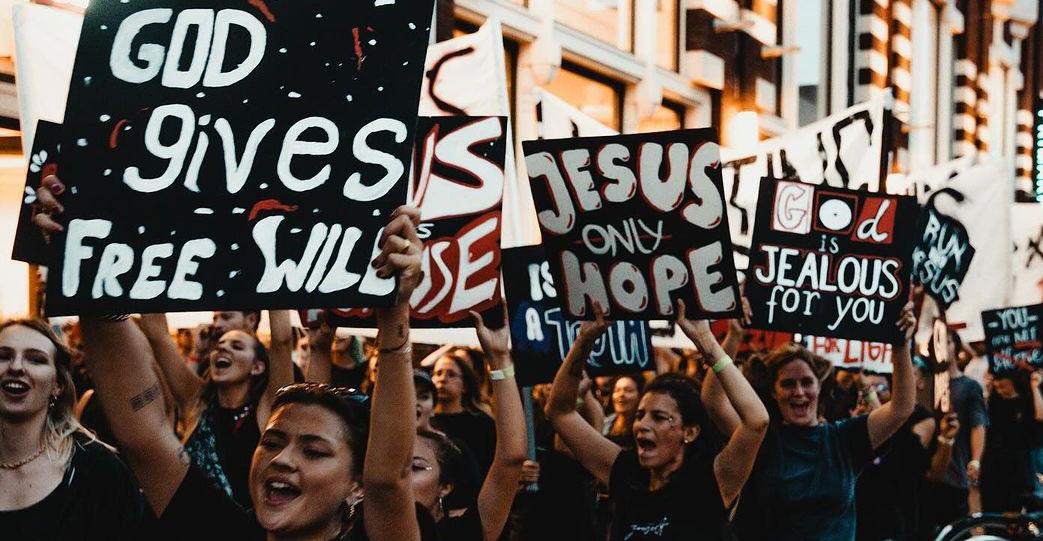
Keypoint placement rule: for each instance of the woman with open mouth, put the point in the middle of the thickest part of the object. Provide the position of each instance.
(315, 453)
(48, 462)
(672, 486)
(224, 412)
(803, 486)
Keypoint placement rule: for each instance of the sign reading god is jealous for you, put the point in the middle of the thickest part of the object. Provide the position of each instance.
(829, 261)
(635, 222)
(223, 154)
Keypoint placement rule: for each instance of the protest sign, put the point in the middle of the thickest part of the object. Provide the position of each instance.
(556, 119)
(457, 183)
(753, 340)
(541, 335)
(1026, 231)
(942, 255)
(852, 354)
(830, 262)
(222, 154)
(29, 244)
(621, 235)
(1012, 338)
(844, 150)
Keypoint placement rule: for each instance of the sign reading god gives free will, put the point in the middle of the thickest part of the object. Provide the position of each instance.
(225, 154)
(632, 223)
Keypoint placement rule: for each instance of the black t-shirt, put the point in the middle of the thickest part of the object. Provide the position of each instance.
(803, 485)
(97, 499)
(1006, 469)
(688, 508)
(563, 507)
(476, 430)
(201, 511)
(238, 436)
(888, 491)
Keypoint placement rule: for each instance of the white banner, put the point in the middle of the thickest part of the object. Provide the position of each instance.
(1026, 232)
(852, 354)
(559, 120)
(843, 150)
(45, 46)
(979, 198)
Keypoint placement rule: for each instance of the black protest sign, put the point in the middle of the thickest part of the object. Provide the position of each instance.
(1012, 338)
(941, 256)
(29, 244)
(228, 154)
(457, 183)
(635, 222)
(541, 335)
(829, 261)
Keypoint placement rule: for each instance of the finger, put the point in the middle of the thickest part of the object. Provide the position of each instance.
(479, 325)
(47, 224)
(680, 310)
(401, 226)
(53, 184)
(46, 200)
(405, 265)
(391, 245)
(408, 211)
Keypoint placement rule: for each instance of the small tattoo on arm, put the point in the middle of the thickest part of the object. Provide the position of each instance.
(146, 397)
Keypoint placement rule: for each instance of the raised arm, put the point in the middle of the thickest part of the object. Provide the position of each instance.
(734, 463)
(280, 362)
(943, 453)
(1037, 396)
(389, 508)
(320, 364)
(119, 360)
(887, 419)
(595, 452)
(184, 384)
(501, 484)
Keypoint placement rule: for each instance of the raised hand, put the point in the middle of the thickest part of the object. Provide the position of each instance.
(400, 251)
(590, 331)
(49, 207)
(907, 323)
(494, 341)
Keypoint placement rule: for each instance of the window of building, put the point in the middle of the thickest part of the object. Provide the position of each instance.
(608, 20)
(668, 116)
(668, 34)
(812, 60)
(595, 95)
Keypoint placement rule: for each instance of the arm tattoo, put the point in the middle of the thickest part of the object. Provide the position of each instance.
(146, 397)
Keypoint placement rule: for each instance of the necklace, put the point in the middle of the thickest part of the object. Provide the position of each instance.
(23, 462)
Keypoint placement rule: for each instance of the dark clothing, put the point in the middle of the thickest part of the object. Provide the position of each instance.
(941, 505)
(201, 511)
(1007, 476)
(968, 401)
(467, 527)
(888, 492)
(222, 445)
(803, 484)
(97, 499)
(476, 430)
(351, 378)
(688, 508)
(562, 508)
(837, 402)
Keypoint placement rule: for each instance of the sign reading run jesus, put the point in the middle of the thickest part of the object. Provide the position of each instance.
(633, 223)
(222, 154)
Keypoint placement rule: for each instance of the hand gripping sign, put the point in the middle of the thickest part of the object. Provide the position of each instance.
(634, 223)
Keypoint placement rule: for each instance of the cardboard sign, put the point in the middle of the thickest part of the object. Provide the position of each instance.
(853, 354)
(29, 244)
(830, 262)
(541, 336)
(225, 154)
(457, 183)
(844, 150)
(941, 256)
(1012, 338)
(753, 340)
(635, 222)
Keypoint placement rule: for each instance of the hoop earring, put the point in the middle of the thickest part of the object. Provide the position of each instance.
(52, 402)
(353, 508)
(441, 506)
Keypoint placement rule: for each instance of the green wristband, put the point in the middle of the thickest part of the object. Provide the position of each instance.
(721, 364)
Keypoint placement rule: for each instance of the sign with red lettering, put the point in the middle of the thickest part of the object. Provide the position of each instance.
(634, 223)
(852, 354)
(225, 154)
(830, 262)
(457, 183)
(753, 340)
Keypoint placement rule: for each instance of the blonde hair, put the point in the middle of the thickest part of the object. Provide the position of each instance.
(61, 425)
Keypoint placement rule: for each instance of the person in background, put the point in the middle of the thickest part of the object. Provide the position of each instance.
(803, 486)
(603, 388)
(56, 480)
(625, 397)
(459, 412)
(438, 463)
(947, 499)
(301, 350)
(674, 485)
(1015, 418)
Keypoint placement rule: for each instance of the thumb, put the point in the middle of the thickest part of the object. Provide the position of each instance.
(477, 318)
(680, 310)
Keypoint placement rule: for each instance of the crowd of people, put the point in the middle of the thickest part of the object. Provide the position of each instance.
(118, 429)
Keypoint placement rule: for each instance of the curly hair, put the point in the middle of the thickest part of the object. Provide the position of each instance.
(763, 370)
